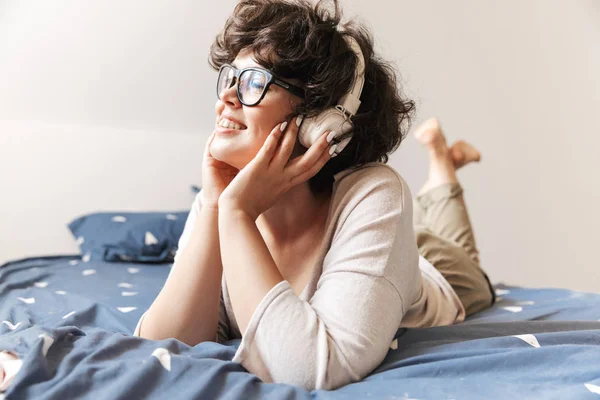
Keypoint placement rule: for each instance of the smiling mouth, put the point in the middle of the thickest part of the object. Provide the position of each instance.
(226, 123)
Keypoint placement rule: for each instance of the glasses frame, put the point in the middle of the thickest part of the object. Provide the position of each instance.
(271, 79)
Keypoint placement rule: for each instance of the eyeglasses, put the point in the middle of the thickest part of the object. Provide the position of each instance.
(253, 83)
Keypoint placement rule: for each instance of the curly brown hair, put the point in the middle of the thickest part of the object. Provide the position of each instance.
(297, 40)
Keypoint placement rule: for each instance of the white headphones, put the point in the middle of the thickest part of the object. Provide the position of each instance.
(337, 118)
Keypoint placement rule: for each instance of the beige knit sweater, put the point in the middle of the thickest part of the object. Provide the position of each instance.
(368, 282)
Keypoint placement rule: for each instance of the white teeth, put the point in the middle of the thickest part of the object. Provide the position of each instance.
(225, 123)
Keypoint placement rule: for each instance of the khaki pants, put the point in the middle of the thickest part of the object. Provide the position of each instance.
(445, 238)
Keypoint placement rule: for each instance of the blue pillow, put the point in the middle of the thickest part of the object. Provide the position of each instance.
(143, 237)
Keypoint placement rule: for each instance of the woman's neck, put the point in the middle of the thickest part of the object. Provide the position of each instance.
(297, 213)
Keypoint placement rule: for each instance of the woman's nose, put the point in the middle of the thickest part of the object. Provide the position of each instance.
(229, 95)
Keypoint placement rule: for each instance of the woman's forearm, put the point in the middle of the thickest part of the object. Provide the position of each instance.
(187, 307)
(250, 270)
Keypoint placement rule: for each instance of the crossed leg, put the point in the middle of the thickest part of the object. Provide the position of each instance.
(442, 226)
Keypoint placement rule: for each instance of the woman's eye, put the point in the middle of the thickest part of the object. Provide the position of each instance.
(256, 84)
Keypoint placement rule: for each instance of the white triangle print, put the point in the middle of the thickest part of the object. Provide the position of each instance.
(529, 339)
(27, 300)
(119, 218)
(125, 285)
(164, 357)
(68, 315)
(11, 326)
(128, 293)
(41, 284)
(592, 388)
(150, 239)
(513, 309)
(133, 270)
(502, 292)
(125, 310)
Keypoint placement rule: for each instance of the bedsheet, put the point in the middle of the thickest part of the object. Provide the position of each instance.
(71, 321)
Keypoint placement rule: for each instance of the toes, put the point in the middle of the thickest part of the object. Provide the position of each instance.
(470, 152)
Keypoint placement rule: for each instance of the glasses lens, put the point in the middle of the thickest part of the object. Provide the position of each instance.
(225, 78)
(252, 85)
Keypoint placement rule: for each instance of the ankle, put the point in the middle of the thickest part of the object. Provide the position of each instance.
(441, 172)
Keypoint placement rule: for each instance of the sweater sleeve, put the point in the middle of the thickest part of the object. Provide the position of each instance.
(345, 331)
(223, 327)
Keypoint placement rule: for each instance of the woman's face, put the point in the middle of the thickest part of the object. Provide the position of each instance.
(239, 146)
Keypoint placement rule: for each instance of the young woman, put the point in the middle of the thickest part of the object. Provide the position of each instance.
(309, 255)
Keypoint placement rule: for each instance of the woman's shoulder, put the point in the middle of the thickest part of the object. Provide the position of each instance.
(369, 170)
(369, 178)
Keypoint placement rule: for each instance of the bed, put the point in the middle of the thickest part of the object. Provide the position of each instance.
(70, 318)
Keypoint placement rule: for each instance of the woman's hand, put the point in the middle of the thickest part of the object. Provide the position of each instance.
(216, 175)
(271, 173)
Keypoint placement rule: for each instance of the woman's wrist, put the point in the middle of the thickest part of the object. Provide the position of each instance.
(209, 204)
(210, 207)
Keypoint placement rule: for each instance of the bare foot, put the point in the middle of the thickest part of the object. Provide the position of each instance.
(430, 135)
(441, 163)
(463, 153)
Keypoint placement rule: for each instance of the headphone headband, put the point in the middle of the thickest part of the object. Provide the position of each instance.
(351, 100)
(338, 118)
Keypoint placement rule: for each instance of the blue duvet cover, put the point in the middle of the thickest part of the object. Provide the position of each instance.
(71, 323)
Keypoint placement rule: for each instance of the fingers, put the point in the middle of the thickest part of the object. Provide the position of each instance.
(290, 133)
(312, 171)
(269, 147)
(306, 166)
(302, 168)
(207, 147)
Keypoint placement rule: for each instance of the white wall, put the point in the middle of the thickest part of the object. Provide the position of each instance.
(107, 106)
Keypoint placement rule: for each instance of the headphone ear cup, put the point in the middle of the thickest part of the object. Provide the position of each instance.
(331, 119)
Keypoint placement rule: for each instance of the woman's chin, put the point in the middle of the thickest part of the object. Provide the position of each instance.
(225, 157)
